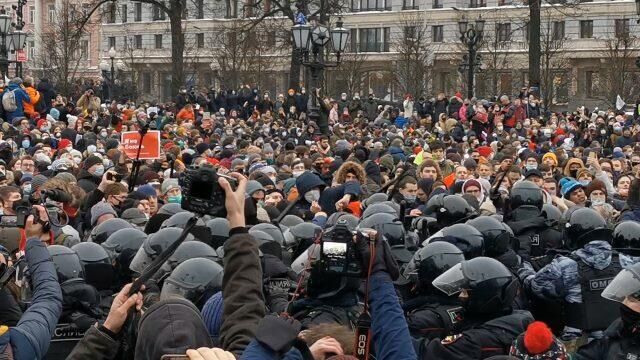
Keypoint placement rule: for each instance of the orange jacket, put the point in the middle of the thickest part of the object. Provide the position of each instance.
(34, 95)
(185, 114)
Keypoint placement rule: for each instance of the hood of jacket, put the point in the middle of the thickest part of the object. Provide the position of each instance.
(170, 326)
(308, 181)
(596, 254)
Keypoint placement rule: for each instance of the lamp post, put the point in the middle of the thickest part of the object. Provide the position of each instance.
(16, 38)
(638, 10)
(109, 71)
(471, 36)
(310, 40)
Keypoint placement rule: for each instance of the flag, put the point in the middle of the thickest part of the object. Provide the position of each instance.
(620, 104)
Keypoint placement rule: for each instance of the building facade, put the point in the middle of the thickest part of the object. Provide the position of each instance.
(580, 43)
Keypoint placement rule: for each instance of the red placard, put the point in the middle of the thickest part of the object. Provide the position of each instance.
(150, 144)
(21, 56)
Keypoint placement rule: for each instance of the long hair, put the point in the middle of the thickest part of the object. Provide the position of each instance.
(633, 199)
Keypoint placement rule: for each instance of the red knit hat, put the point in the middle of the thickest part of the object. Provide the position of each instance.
(40, 123)
(485, 151)
(64, 143)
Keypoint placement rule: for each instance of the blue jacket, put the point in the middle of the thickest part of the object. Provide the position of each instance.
(401, 121)
(30, 338)
(630, 214)
(390, 332)
(21, 96)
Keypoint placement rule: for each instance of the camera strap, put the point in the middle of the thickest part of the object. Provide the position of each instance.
(363, 326)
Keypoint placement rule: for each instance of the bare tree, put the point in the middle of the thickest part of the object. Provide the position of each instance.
(412, 68)
(62, 52)
(618, 75)
(349, 76)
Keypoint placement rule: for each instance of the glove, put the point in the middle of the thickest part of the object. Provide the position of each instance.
(278, 333)
(383, 260)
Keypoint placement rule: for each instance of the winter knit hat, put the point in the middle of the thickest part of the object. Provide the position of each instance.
(212, 314)
(594, 185)
(253, 186)
(38, 181)
(67, 177)
(551, 156)
(168, 185)
(148, 191)
(538, 343)
(569, 186)
(64, 143)
(92, 160)
(99, 209)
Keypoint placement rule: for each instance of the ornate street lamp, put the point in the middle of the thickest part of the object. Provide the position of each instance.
(471, 36)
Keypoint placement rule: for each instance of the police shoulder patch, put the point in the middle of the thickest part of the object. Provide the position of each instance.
(450, 339)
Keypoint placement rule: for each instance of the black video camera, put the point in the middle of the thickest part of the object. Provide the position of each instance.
(201, 193)
(338, 253)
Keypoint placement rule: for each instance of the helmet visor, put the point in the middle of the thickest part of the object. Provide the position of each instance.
(626, 283)
(305, 259)
(451, 281)
(140, 261)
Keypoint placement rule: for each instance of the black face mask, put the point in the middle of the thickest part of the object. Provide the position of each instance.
(573, 173)
(630, 319)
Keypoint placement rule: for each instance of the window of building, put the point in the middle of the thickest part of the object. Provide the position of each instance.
(558, 30)
(200, 40)
(137, 11)
(504, 2)
(437, 4)
(409, 5)
(477, 3)
(438, 33)
(123, 11)
(32, 14)
(158, 41)
(137, 40)
(111, 42)
(158, 13)
(370, 5)
(199, 9)
(147, 79)
(111, 13)
(592, 79)
(525, 31)
(84, 49)
(374, 39)
(586, 29)
(503, 31)
(270, 38)
(32, 50)
(622, 28)
(52, 13)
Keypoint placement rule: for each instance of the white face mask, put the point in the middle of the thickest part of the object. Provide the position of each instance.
(297, 173)
(597, 200)
(312, 195)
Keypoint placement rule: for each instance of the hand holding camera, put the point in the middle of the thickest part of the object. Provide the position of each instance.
(234, 200)
(36, 225)
(382, 258)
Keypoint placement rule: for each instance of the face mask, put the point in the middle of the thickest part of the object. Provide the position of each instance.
(597, 200)
(69, 148)
(28, 173)
(103, 133)
(26, 190)
(573, 173)
(312, 195)
(260, 204)
(531, 166)
(174, 199)
(99, 171)
(603, 132)
(271, 161)
(500, 128)
(57, 135)
(77, 160)
(91, 149)
(630, 319)
(410, 198)
(584, 182)
(44, 128)
(26, 144)
(297, 173)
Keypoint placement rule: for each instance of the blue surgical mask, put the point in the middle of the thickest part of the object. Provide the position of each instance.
(99, 171)
(26, 144)
(531, 166)
(585, 182)
(174, 199)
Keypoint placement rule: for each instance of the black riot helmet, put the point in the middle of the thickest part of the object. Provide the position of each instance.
(552, 214)
(101, 233)
(301, 236)
(585, 225)
(490, 286)
(465, 237)
(431, 261)
(267, 243)
(97, 265)
(185, 251)
(388, 225)
(496, 237)
(67, 263)
(155, 244)
(219, 228)
(626, 238)
(195, 280)
(273, 231)
(425, 226)
(384, 207)
(450, 209)
(200, 231)
(526, 193)
(124, 239)
(350, 219)
(291, 220)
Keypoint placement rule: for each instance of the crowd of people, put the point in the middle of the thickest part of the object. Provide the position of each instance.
(442, 228)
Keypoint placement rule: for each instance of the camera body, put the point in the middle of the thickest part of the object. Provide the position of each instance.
(201, 193)
(338, 253)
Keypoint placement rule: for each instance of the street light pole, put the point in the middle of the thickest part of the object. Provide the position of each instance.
(109, 72)
(18, 36)
(471, 36)
(309, 40)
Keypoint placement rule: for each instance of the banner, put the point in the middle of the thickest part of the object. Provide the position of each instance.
(150, 144)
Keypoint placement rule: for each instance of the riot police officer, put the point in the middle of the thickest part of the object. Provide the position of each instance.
(486, 289)
(622, 338)
(122, 246)
(153, 246)
(195, 280)
(497, 241)
(95, 260)
(583, 273)
(465, 237)
(450, 209)
(219, 228)
(100, 233)
(432, 314)
(185, 251)
(626, 240)
(535, 234)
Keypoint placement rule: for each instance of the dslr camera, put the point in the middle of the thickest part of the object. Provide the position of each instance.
(338, 253)
(201, 193)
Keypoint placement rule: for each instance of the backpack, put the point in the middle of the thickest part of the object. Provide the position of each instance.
(9, 101)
